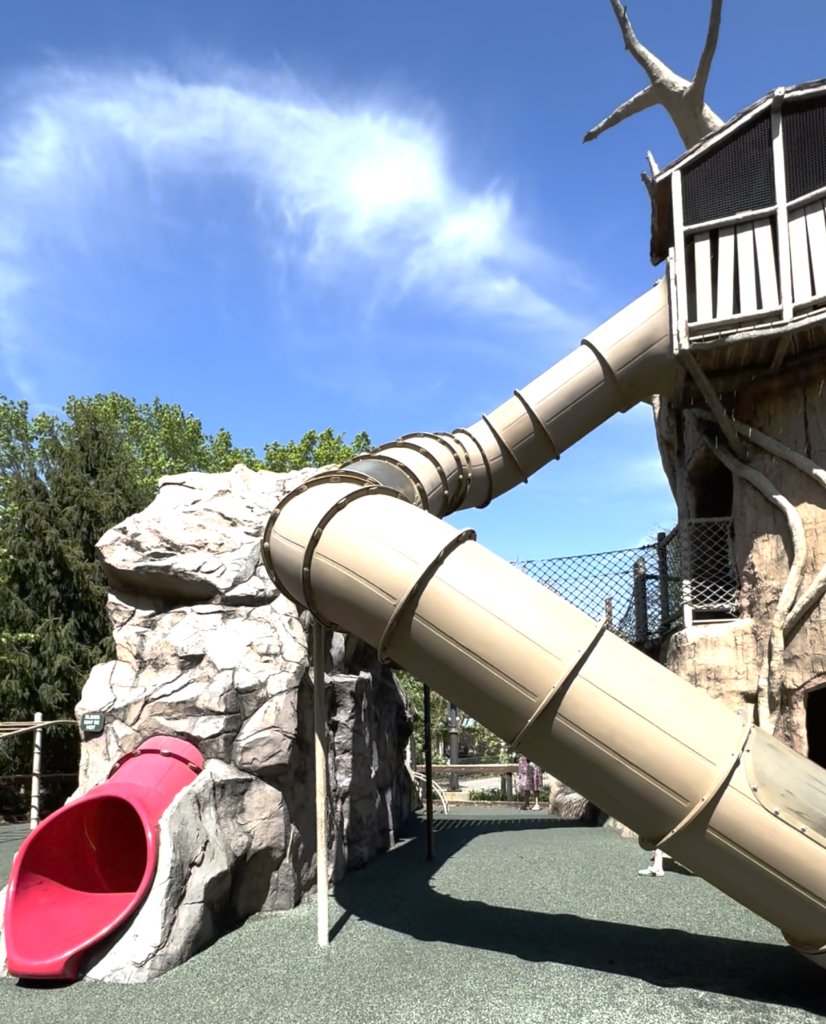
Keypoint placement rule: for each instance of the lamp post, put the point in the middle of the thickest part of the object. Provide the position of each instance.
(454, 746)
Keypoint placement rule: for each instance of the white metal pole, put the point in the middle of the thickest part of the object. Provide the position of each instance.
(34, 816)
(320, 719)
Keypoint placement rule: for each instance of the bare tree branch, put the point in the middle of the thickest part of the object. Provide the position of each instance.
(650, 64)
(704, 64)
(683, 100)
(647, 98)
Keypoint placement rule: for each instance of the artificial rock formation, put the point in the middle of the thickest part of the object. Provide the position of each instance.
(209, 650)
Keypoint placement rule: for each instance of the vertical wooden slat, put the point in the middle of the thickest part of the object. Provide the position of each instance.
(673, 317)
(767, 272)
(799, 248)
(783, 262)
(679, 257)
(816, 230)
(702, 274)
(745, 268)
(725, 273)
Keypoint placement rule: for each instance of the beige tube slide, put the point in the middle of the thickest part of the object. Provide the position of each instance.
(358, 547)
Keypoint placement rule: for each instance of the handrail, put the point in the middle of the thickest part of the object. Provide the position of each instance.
(418, 777)
(8, 729)
(472, 769)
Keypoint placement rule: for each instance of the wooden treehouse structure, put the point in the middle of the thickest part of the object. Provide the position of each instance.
(740, 220)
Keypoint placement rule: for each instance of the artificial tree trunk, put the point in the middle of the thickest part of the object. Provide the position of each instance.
(774, 655)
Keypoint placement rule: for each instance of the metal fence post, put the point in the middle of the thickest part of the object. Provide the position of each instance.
(454, 746)
(662, 567)
(428, 773)
(640, 601)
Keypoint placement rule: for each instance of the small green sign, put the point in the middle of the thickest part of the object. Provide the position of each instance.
(92, 721)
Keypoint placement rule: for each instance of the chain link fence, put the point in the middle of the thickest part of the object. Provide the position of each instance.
(648, 592)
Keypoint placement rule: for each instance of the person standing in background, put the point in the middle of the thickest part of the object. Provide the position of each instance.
(529, 781)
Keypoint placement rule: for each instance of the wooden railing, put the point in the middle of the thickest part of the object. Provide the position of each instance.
(508, 770)
(734, 272)
(9, 729)
(807, 244)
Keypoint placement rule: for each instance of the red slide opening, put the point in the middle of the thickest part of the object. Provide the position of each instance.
(87, 868)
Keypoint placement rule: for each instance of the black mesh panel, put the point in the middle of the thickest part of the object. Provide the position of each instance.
(804, 139)
(736, 176)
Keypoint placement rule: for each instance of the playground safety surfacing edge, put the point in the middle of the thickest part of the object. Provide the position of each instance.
(519, 919)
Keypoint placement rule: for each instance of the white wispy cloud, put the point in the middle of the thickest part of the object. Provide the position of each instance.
(330, 184)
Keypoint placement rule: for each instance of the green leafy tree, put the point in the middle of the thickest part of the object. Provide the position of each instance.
(314, 449)
(485, 745)
(64, 481)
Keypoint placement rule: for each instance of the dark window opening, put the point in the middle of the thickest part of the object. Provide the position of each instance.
(816, 725)
(737, 175)
(804, 142)
(710, 488)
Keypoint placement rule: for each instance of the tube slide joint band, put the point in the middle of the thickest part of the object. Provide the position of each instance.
(488, 473)
(503, 444)
(415, 588)
(317, 534)
(610, 374)
(717, 784)
(367, 486)
(570, 673)
(163, 753)
(537, 421)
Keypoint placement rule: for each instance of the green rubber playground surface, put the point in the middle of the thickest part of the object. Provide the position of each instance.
(519, 919)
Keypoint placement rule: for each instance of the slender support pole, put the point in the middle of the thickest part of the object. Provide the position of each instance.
(34, 816)
(454, 746)
(320, 722)
(509, 787)
(428, 774)
(662, 570)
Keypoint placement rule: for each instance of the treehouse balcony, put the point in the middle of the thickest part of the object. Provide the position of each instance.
(740, 220)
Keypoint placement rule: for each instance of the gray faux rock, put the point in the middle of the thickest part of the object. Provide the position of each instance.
(208, 650)
(570, 805)
(222, 842)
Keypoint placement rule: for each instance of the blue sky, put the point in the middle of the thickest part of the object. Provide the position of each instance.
(371, 216)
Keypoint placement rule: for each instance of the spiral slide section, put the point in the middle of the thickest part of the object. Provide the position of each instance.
(358, 548)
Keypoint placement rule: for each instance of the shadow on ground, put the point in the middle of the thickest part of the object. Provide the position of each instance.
(403, 900)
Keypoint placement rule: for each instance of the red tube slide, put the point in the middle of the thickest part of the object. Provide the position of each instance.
(87, 868)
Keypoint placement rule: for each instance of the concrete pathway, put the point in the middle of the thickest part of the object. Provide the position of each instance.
(520, 920)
